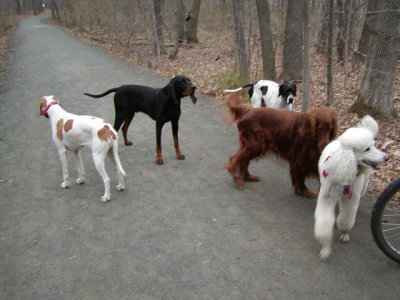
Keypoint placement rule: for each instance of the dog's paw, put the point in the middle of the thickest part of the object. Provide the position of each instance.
(159, 161)
(238, 181)
(65, 184)
(180, 156)
(344, 238)
(80, 180)
(128, 143)
(105, 198)
(306, 193)
(120, 187)
(252, 178)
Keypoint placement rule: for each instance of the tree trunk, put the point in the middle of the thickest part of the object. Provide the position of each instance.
(18, 7)
(323, 35)
(180, 20)
(330, 52)
(158, 41)
(292, 51)
(54, 10)
(179, 27)
(367, 29)
(341, 25)
(35, 7)
(267, 49)
(192, 20)
(376, 92)
(306, 56)
(348, 40)
(238, 17)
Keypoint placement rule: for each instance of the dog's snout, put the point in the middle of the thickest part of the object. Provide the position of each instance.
(290, 100)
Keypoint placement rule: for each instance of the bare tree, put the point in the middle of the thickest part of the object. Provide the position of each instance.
(179, 27)
(37, 7)
(158, 40)
(18, 7)
(267, 49)
(330, 52)
(292, 51)
(348, 38)
(192, 19)
(370, 15)
(238, 17)
(55, 13)
(322, 45)
(376, 92)
(306, 56)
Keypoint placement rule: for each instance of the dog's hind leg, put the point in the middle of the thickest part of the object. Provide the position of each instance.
(298, 179)
(119, 119)
(244, 166)
(347, 215)
(324, 217)
(98, 159)
(127, 122)
(81, 170)
(113, 155)
(254, 148)
(233, 167)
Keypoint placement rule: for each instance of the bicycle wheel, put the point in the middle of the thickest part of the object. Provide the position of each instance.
(385, 221)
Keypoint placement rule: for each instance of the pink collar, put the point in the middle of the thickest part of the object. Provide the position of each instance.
(50, 105)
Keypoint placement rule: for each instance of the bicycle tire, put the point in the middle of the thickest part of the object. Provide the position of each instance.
(381, 229)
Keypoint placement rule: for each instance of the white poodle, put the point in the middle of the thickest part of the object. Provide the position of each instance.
(344, 169)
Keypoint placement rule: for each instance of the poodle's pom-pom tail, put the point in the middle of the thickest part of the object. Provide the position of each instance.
(369, 123)
(234, 109)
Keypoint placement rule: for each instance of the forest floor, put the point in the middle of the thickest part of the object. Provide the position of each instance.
(3, 47)
(210, 62)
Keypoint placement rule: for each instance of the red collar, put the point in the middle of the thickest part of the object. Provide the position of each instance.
(50, 105)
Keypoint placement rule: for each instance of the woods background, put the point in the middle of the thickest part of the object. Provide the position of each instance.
(342, 53)
(266, 38)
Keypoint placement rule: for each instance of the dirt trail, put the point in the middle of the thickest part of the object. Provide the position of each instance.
(181, 230)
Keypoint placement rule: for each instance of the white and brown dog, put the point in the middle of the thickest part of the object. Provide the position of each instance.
(344, 168)
(72, 132)
(270, 94)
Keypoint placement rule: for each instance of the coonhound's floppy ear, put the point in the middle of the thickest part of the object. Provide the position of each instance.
(193, 97)
(171, 90)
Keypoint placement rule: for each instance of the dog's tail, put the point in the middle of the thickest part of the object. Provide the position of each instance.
(102, 95)
(236, 109)
(238, 89)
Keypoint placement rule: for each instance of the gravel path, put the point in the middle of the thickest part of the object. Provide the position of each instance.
(179, 231)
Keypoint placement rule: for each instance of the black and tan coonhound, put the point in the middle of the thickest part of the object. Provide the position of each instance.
(161, 104)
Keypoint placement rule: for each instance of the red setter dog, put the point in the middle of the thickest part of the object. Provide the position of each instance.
(296, 137)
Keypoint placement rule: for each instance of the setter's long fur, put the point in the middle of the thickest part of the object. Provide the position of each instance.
(295, 137)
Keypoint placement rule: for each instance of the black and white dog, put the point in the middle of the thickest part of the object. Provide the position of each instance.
(270, 94)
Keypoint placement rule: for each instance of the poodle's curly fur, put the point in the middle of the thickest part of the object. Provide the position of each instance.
(344, 168)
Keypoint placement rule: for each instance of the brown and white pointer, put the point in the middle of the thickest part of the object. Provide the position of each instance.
(73, 132)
